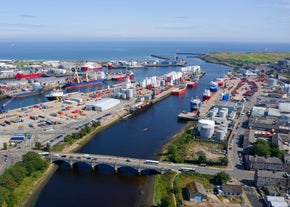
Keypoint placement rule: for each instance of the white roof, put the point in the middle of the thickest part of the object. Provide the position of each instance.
(275, 198)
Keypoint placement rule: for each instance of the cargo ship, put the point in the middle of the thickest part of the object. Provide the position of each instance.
(79, 82)
(213, 86)
(195, 104)
(180, 90)
(21, 75)
(122, 76)
(56, 94)
(91, 66)
(206, 95)
(36, 90)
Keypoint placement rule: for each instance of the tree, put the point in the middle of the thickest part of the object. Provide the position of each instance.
(5, 146)
(202, 159)
(47, 147)
(38, 145)
(222, 177)
(166, 202)
(261, 148)
(33, 162)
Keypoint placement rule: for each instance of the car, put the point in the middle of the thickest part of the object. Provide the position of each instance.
(78, 157)
(128, 160)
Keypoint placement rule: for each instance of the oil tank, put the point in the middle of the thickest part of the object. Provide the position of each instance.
(220, 135)
(213, 112)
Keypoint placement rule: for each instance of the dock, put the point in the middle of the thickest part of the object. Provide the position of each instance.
(188, 116)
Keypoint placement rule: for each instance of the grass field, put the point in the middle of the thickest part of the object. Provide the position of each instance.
(253, 57)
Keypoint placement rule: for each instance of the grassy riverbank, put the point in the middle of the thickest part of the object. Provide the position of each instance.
(239, 59)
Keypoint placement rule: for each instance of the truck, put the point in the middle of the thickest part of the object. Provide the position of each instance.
(151, 162)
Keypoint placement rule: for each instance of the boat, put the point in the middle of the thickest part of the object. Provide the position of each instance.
(195, 103)
(180, 90)
(56, 94)
(79, 82)
(213, 86)
(220, 81)
(21, 75)
(206, 95)
(192, 83)
(122, 76)
(36, 90)
(91, 66)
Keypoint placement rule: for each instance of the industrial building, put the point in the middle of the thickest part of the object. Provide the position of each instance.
(103, 104)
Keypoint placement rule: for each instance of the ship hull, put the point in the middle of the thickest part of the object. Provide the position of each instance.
(26, 94)
(179, 91)
(192, 84)
(205, 97)
(85, 68)
(85, 84)
(28, 76)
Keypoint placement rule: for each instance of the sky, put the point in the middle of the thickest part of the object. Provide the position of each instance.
(166, 20)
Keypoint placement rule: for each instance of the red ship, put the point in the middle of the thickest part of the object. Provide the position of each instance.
(91, 66)
(206, 95)
(122, 76)
(220, 81)
(192, 83)
(180, 90)
(21, 75)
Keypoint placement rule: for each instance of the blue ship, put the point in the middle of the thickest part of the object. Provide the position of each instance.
(213, 86)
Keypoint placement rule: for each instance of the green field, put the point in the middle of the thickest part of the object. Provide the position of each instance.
(252, 57)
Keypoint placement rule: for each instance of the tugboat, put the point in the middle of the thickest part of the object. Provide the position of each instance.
(195, 104)
(180, 90)
(213, 86)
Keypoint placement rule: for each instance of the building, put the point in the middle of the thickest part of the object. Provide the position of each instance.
(275, 201)
(103, 104)
(231, 190)
(262, 163)
(271, 178)
(195, 191)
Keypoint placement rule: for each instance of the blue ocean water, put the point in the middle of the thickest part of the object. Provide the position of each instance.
(123, 50)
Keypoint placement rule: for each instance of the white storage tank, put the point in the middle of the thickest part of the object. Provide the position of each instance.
(219, 135)
(130, 93)
(206, 131)
(272, 82)
(206, 127)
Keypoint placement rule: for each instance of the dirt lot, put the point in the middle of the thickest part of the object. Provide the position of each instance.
(212, 201)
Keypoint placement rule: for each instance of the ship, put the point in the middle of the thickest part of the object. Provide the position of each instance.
(79, 82)
(206, 95)
(220, 81)
(122, 76)
(213, 86)
(36, 90)
(56, 94)
(91, 66)
(192, 83)
(21, 75)
(180, 90)
(195, 104)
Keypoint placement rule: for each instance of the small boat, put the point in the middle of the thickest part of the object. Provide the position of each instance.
(195, 103)
(21, 75)
(206, 95)
(36, 90)
(145, 129)
(213, 86)
(180, 90)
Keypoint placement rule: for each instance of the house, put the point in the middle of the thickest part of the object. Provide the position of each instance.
(262, 163)
(195, 191)
(271, 178)
(231, 190)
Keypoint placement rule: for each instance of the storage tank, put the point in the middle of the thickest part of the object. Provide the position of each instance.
(206, 131)
(130, 93)
(272, 82)
(223, 113)
(213, 112)
(219, 135)
(203, 122)
(123, 96)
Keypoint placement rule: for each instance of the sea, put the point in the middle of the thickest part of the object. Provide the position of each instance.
(81, 186)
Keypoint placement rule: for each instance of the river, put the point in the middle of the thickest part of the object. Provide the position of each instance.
(103, 187)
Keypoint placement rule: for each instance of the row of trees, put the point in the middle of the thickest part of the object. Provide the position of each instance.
(263, 148)
(30, 165)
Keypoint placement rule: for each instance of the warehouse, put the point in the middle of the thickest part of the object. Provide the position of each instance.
(103, 104)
